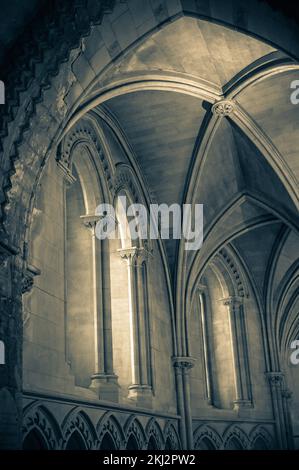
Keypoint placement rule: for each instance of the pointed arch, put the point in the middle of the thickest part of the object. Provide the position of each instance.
(109, 424)
(260, 438)
(78, 421)
(37, 418)
(153, 430)
(134, 428)
(171, 436)
(235, 438)
(35, 440)
(205, 435)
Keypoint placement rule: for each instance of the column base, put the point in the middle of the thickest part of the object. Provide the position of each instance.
(141, 395)
(105, 386)
(241, 406)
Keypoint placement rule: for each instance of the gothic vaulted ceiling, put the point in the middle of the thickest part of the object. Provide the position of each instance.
(163, 66)
(166, 130)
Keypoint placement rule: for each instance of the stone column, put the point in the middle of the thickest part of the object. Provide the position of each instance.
(240, 352)
(141, 388)
(103, 381)
(278, 393)
(67, 180)
(206, 344)
(286, 397)
(182, 366)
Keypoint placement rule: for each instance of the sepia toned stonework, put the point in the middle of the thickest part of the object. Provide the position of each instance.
(122, 344)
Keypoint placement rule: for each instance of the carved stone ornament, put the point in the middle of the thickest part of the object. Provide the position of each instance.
(134, 255)
(28, 278)
(223, 108)
(275, 379)
(183, 362)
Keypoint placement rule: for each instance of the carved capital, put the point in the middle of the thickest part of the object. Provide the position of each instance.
(201, 288)
(223, 108)
(275, 379)
(183, 363)
(233, 301)
(28, 278)
(90, 221)
(134, 256)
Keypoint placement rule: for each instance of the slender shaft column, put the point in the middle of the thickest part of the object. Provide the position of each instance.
(141, 388)
(286, 397)
(185, 364)
(206, 344)
(276, 382)
(180, 401)
(67, 180)
(104, 381)
(240, 352)
(143, 319)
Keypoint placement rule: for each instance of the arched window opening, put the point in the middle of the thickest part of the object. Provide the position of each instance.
(132, 443)
(107, 442)
(221, 338)
(34, 441)
(87, 281)
(75, 442)
(152, 444)
(137, 315)
(259, 444)
(215, 338)
(79, 295)
(206, 444)
(168, 444)
(234, 444)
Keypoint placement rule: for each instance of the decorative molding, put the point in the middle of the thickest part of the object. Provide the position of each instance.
(66, 172)
(47, 421)
(125, 179)
(235, 272)
(83, 133)
(223, 108)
